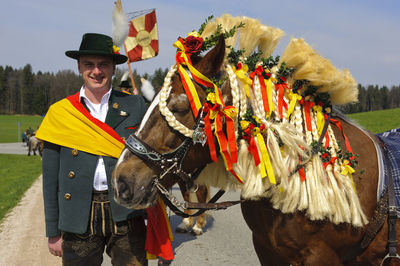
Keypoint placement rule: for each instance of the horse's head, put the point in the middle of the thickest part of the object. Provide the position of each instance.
(134, 178)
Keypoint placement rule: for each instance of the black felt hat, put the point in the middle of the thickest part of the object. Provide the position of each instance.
(97, 44)
(125, 84)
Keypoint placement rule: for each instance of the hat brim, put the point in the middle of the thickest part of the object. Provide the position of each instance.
(118, 58)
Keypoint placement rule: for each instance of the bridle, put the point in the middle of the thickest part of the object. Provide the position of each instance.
(171, 164)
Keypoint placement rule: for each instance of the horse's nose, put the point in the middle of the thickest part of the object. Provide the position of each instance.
(123, 190)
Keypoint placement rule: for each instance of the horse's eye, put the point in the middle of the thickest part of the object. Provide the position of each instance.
(179, 104)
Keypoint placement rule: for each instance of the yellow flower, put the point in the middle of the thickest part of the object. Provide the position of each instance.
(255, 131)
(257, 120)
(211, 97)
(115, 49)
(194, 34)
(231, 111)
(244, 124)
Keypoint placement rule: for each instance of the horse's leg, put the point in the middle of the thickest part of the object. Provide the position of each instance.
(29, 147)
(187, 223)
(203, 195)
(41, 148)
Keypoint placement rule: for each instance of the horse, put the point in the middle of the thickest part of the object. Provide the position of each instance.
(291, 223)
(34, 145)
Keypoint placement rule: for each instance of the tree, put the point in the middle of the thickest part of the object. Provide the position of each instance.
(26, 90)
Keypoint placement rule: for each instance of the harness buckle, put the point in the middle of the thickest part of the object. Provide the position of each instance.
(199, 136)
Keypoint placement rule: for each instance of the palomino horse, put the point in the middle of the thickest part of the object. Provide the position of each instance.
(309, 226)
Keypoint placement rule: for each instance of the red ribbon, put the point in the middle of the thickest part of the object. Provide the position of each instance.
(302, 174)
(252, 148)
(327, 140)
(281, 101)
(339, 125)
(208, 130)
(223, 141)
(307, 112)
(332, 162)
(258, 71)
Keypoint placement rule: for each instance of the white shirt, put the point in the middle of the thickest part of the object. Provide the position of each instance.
(98, 111)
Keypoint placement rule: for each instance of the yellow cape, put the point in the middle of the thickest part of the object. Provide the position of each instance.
(67, 126)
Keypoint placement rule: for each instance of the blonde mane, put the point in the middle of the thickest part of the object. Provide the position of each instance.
(326, 192)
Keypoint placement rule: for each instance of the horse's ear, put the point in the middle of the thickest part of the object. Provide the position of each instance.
(211, 63)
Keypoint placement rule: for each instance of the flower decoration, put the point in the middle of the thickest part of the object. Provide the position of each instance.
(193, 43)
(115, 49)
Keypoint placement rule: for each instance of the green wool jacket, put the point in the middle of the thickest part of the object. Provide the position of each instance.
(68, 174)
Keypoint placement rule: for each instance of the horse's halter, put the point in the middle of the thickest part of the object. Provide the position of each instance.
(171, 162)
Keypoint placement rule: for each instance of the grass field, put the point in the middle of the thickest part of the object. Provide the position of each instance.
(378, 121)
(9, 126)
(17, 174)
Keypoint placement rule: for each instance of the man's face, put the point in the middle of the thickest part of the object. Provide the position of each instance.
(97, 71)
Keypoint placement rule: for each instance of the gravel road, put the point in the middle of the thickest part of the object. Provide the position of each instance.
(225, 242)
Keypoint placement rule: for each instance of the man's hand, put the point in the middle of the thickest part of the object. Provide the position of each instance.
(54, 244)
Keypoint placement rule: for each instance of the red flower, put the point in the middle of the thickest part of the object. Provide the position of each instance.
(193, 44)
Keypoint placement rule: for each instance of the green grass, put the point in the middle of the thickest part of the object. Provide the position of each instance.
(17, 174)
(378, 121)
(9, 126)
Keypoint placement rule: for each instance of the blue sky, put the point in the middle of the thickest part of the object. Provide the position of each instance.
(361, 35)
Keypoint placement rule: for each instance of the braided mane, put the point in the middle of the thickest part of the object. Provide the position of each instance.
(283, 134)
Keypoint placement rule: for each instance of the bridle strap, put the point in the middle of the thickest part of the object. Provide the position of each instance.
(179, 208)
(166, 163)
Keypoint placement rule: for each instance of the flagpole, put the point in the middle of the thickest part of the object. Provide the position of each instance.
(130, 72)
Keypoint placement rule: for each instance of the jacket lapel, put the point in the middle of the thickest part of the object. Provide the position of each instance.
(115, 114)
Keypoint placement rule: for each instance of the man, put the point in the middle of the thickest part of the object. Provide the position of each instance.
(83, 136)
(125, 86)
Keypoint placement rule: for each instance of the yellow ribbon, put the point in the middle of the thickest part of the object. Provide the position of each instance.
(293, 98)
(270, 86)
(348, 170)
(241, 75)
(320, 118)
(265, 162)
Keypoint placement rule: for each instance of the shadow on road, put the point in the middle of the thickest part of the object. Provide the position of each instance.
(180, 238)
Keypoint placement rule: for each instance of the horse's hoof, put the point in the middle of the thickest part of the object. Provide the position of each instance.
(196, 231)
(181, 229)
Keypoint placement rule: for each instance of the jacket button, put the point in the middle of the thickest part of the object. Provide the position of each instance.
(71, 174)
(75, 152)
(67, 196)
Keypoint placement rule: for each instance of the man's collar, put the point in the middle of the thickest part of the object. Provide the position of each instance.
(104, 99)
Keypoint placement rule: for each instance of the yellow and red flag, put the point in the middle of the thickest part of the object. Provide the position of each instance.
(142, 40)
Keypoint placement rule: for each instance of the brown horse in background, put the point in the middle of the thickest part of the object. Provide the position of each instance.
(279, 238)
